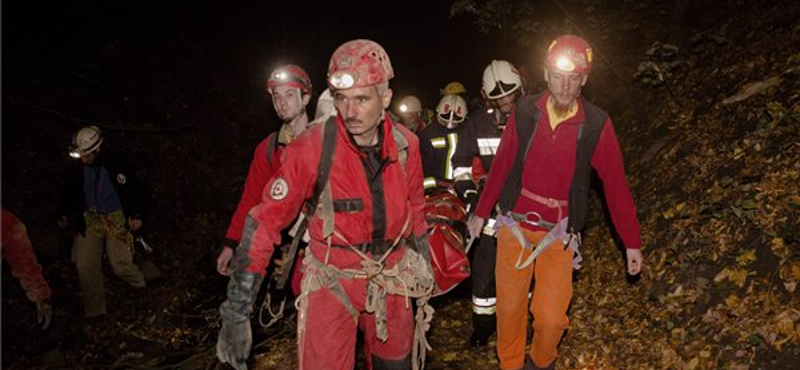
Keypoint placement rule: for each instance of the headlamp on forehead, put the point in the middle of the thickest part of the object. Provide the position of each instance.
(342, 80)
(403, 108)
(565, 64)
(74, 153)
(281, 76)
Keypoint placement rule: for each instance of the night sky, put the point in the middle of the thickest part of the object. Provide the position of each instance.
(235, 43)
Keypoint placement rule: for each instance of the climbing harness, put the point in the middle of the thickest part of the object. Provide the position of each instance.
(556, 231)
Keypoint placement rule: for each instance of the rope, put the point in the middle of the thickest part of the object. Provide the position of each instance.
(266, 305)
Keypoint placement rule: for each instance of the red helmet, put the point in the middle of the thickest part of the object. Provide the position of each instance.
(289, 75)
(570, 53)
(359, 63)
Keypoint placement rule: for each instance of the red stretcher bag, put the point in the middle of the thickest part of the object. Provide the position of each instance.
(447, 217)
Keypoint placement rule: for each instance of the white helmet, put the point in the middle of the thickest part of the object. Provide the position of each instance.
(87, 140)
(500, 79)
(410, 104)
(451, 111)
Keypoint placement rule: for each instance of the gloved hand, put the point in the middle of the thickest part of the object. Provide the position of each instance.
(44, 313)
(235, 337)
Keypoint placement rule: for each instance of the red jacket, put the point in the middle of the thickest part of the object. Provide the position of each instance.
(395, 194)
(551, 165)
(18, 252)
(261, 170)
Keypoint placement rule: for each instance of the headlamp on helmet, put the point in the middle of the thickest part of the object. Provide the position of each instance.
(571, 54)
(359, 63)
(86, 141)
(341, 80)
(289, 75)
(410, 104)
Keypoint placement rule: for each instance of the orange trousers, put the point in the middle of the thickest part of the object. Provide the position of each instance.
(552, 294)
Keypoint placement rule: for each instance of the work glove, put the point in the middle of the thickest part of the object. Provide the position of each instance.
(235, 337)
(44, 313)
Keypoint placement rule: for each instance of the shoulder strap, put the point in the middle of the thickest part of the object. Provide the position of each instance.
(322, 190)
(526, 118)
(329, 131)
(402, 145)
(272, 146)
(322, 197)
(588, 136)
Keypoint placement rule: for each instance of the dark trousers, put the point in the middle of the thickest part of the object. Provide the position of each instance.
(484, 301)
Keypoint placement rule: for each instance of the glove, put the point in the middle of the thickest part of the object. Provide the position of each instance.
(234, 341)
(235, 337)
(44, 313)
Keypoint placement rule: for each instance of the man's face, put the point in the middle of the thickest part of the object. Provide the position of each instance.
(565, 87)
(289, 102)
(89, 158)
(410, 119)
(362, 109)
(506, 104)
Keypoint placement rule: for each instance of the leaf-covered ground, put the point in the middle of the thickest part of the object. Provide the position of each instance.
(704, 97)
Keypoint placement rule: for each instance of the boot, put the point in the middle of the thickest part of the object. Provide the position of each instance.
(483, 326)
(529, 365)
(140, 297)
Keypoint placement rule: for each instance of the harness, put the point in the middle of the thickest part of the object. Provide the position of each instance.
(527, 117)
(408, 277)
(556, 231)
(567, 229)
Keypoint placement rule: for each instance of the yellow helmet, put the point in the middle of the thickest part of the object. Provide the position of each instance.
(454, 88)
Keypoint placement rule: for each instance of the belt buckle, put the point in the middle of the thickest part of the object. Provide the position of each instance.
(552, 203)
(527, 219)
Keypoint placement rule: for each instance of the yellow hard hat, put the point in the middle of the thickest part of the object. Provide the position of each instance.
(454, 88)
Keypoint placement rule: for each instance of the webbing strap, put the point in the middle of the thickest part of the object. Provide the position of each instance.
(322, 191)
(549, 202)
(558, 232)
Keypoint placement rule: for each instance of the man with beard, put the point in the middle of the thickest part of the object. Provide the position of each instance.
(290, 88)
(540, 178)
(368, 253)
(479, 138)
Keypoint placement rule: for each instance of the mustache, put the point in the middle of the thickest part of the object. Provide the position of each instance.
(352, 120)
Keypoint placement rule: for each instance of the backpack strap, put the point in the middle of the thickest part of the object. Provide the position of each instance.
(402, 146)
(272, 146)
(322, 198)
